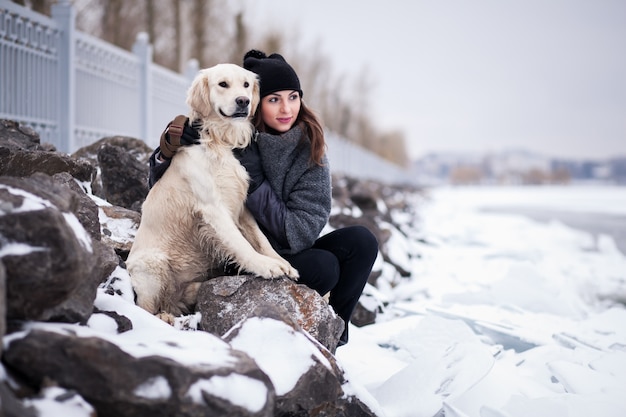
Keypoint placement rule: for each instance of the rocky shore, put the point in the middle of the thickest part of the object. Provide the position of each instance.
(66, 225)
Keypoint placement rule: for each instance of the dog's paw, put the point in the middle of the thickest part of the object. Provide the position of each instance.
(293, 274)
(273, 268)
(289, 271)
(167, 317)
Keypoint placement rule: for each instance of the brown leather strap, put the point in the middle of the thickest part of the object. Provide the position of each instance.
(170, 138)
(175, 129)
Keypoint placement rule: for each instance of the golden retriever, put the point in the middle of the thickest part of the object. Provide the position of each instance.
(194, 219)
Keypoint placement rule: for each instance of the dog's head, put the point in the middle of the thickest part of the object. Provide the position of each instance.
(224, 97)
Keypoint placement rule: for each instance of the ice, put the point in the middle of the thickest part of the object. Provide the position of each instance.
(503, 316)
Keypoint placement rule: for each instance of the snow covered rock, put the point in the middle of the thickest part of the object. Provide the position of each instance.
(21, 155)
(53, 265)
(3, 321)
(124, 178)
(118, 384)
(121, 169)
(307, 378)
(225, 301)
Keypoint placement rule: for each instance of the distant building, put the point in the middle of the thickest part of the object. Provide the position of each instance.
(514, 167)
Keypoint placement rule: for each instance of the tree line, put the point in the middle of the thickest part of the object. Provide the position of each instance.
(211, 32)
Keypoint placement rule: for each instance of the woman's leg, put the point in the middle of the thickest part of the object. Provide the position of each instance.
(318, 269)
(355, 248)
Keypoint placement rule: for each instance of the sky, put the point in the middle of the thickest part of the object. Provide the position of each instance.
(476, 76)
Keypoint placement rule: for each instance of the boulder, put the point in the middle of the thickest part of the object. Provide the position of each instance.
(316, 389)
(21, 155)
(118, 384)
(3, 302)
(225, 301)
(53, 265)
(132, 150)
(124, 178)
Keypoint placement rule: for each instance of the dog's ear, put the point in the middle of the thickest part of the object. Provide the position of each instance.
(256, 96)
(198, 95)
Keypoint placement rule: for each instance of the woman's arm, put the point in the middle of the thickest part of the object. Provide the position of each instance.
(177, 133)
(269, 211)
(295, 222)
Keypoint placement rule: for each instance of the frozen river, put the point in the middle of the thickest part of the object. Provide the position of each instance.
(613, 225)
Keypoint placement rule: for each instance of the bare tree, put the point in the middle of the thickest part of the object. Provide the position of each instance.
(178, 35)
(39, 6)
(198, 27)
(150, 15)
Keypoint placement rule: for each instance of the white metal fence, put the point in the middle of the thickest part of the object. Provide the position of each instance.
(74, 89)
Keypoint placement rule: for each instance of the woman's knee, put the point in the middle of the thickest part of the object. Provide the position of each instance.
(320, 271)
(365, 240)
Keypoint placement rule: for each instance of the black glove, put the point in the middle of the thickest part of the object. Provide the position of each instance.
(179, 133)
(250, 158)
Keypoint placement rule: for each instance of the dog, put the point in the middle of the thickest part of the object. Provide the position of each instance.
(194, 218)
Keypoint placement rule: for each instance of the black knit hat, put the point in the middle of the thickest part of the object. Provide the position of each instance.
(274, 72)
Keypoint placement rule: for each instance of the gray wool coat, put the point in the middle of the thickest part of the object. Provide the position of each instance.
(292, 205)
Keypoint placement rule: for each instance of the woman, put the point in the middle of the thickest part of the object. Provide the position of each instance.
(290, 188)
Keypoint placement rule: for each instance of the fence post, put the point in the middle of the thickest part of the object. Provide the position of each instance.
(143, 50)
(64, 15)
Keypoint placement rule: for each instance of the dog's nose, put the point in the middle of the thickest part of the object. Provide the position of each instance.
(242, 101)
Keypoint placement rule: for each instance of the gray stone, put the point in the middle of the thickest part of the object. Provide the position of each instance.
(109, 378)
(224, 301)
(124, 178)
(53, 266)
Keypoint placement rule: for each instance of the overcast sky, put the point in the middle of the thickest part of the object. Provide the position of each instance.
(481, 75)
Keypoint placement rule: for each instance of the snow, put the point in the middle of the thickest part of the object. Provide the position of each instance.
(502, 316)
(55, 401)
(154, 388)
(31, 202)
(19, 249)
(225, 386)
(284, 354)
(79, 231)
(121, 230)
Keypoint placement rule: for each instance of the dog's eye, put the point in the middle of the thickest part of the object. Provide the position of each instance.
(223, 84)
(246, 84)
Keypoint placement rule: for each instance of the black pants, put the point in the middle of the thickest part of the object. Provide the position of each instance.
(340, 263)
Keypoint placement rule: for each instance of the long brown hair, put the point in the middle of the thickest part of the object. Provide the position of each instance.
(312, 125)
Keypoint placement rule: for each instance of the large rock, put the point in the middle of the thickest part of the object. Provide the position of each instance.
(114, 172)
(3, 302)
(21, 155)
(117, 384)
(316, 388)
(53, 265)
(84, 208)
(124, 178)
(225, 301)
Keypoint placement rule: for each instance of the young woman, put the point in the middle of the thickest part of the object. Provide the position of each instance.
(290, 188)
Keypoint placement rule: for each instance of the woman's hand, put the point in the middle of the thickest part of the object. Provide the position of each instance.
(250, 158)
(179, 133)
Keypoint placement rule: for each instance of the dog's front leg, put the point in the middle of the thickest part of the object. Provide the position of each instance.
(226, 234)
(251, 231)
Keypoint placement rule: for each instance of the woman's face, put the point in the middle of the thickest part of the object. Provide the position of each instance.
(279, 110)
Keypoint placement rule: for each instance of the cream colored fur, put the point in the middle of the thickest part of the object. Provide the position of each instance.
(194, 218)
